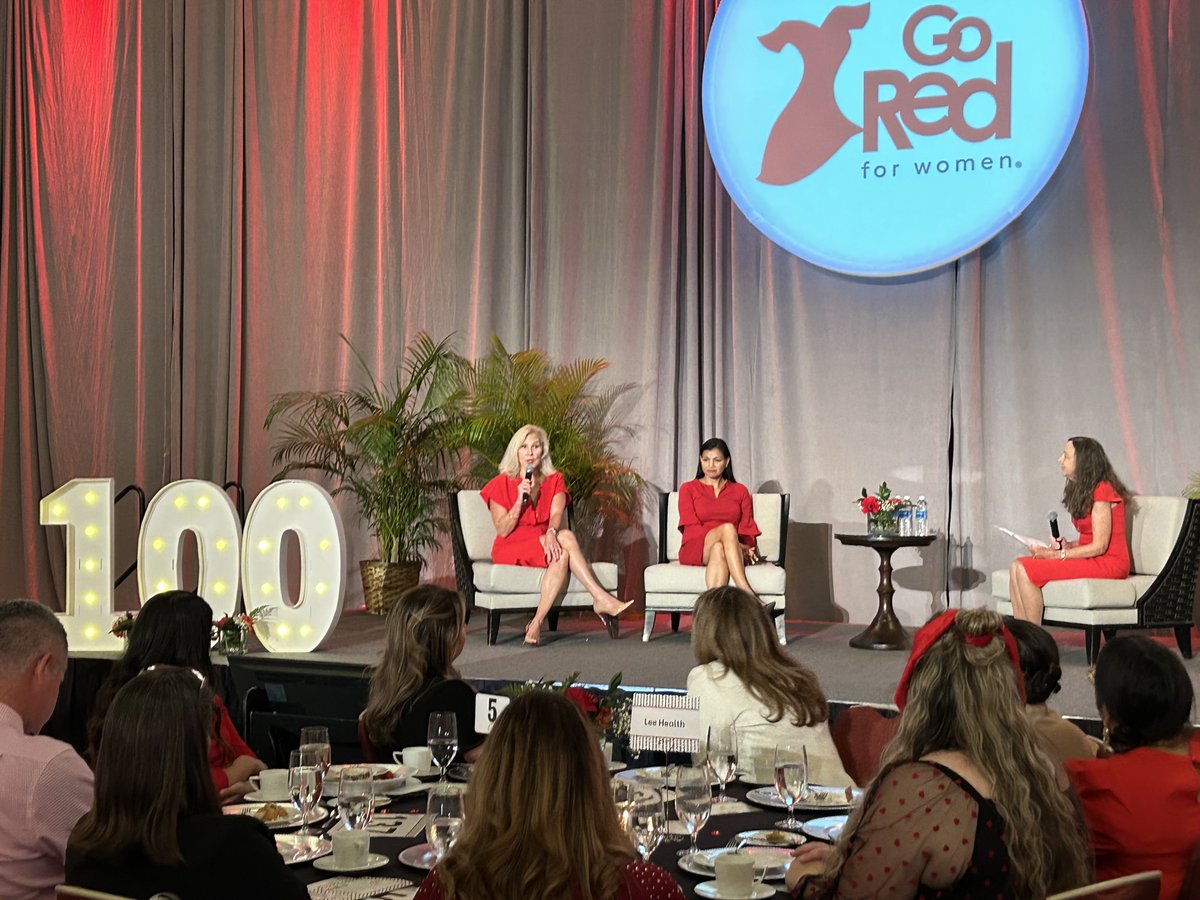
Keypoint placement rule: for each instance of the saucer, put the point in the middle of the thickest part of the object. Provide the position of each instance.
(329, 864)
(419, 856)
(709, 889)
(257, 797)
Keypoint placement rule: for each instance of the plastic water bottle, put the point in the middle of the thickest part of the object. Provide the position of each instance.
(921, 518)
(904, 517)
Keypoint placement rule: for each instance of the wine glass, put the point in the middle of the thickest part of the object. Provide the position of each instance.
(721, 755)
(445, 818)
(693, 801)
(791, 779)
(442, 740)
(316, 739)
(648, 824)
(356, 796)
(304, 781)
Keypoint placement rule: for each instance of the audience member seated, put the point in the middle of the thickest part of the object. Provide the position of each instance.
(528, 502)
(539, 820)
(426, 632)
(716, 517)
(157, 825)
(1140, 802)
(966, 803)
(1040, 667)
(175, 629)
(44, 783)
(746, 680)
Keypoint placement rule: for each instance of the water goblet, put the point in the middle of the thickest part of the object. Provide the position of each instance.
(356, 796)
(445, 817)
(304, 781)
(721, 755)
(693, 802)
(316, 739)
(442, 738)
(791, 780)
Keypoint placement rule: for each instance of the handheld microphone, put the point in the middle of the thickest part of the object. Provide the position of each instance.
(1053, 517)
(529, 478)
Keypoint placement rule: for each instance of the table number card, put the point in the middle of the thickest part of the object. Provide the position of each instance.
(669, 722)
(487, 710)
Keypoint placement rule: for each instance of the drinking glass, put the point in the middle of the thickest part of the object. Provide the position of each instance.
(304, 781)
(648, 821)
(791, 779)
(316, 739)
(445, 818)
(693, 801)
(721, 755)
(442, 740)
(356, 796)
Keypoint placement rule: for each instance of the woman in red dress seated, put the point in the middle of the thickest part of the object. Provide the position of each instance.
(174, 628)
(965, 803)
(528, 502)
(539, 820)
(716, 516)
(1141, 803)
(1096, 500)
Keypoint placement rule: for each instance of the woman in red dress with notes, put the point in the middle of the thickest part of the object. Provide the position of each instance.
(716, 516)
(528, 502)
(1096, 499)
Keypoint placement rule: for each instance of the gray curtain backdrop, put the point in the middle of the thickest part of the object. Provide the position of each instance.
(198, 197)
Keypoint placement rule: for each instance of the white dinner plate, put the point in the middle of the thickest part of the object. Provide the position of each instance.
(389, 777)
(295, 848)
(771, 838)
(329, 864)
(257, 797)
(700, 864)
(828, 828)
(318, 813)
(709, 889)
(419, 856)
(655, 776)
(821, 798)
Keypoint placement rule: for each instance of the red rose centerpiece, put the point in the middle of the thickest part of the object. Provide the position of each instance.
(880, 509)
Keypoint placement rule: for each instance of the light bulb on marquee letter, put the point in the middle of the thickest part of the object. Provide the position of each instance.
(207, 512)
(84, 506)
(305, 509)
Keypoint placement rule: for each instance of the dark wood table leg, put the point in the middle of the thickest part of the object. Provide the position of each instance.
(885, 631)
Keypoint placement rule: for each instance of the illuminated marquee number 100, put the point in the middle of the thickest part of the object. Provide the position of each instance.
(227, 556)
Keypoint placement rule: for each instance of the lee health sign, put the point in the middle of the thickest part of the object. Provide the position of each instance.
(891, 137)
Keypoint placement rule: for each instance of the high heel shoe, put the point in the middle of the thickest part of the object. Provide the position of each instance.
(611, 625)
(536, 636)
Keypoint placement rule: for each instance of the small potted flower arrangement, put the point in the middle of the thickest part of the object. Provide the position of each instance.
(122, 625)
(230, 632)
(880, 509)
(608, 710)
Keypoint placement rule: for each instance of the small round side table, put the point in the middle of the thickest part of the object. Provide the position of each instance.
(885, 631)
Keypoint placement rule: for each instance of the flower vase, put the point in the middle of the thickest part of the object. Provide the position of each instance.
(233, 642)
(881, 525)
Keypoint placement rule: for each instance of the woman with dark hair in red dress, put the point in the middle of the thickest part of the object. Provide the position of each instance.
(1096, 499)
(716, 516)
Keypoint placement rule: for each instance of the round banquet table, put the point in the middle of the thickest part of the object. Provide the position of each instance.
(716, 833)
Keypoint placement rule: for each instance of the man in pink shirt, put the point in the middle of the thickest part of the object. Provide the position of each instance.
(46, 787)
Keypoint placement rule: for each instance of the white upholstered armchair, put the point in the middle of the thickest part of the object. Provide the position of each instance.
(673, 588)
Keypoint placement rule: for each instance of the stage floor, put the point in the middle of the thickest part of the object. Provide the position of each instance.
(581, 645)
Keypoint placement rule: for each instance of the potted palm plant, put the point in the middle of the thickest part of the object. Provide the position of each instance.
(504, 391)
(390, 446)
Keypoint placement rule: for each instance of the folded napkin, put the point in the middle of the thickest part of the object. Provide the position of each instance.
(397, 824)
(344, 888)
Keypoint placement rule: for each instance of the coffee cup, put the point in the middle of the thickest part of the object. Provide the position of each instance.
(419, 758)
(737, 876)
(351, 848)
(272, 784)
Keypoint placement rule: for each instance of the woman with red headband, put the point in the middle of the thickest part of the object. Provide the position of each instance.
(965, 804)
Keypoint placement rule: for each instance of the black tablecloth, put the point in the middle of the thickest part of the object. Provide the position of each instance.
(717, 833)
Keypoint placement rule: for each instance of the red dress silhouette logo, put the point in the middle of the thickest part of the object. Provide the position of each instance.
(811, 127)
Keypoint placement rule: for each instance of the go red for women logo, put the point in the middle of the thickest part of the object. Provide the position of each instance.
(891, 137)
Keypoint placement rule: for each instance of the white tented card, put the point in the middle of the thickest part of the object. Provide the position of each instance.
(487, 710)
(668, 722)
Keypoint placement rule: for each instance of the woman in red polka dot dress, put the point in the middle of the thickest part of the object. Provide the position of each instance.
(539, 820)
(966, 804)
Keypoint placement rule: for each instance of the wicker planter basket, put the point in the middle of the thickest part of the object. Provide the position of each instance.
(383, 583)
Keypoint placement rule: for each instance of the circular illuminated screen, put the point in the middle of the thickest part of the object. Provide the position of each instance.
(887, 138)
